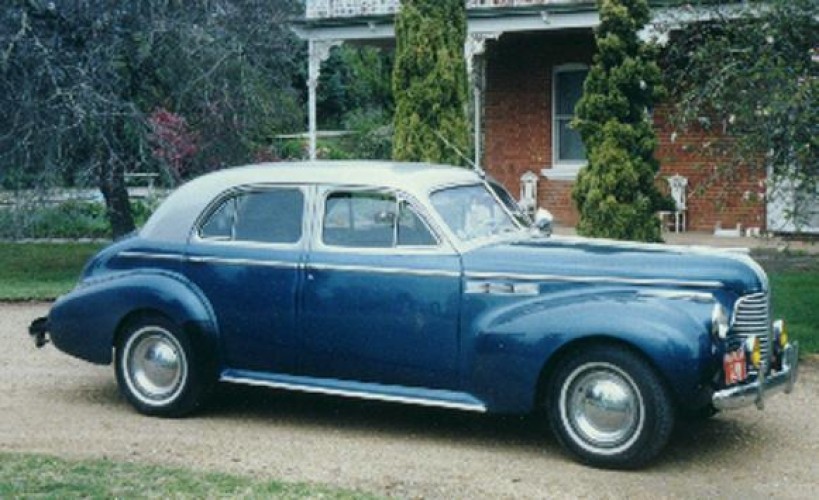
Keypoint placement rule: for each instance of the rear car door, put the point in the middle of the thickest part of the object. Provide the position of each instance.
(245, 256)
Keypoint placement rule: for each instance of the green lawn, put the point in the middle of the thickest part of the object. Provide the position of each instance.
(41, 271)
(796, 300)
(26, 476)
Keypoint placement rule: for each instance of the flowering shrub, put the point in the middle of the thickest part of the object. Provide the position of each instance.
(172, 140)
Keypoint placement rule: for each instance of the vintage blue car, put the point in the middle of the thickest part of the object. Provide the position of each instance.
(424, 285)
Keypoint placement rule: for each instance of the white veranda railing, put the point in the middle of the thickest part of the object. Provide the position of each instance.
(329, 9)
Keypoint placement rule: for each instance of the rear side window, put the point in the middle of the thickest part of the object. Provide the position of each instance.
(220, 223)
(268, 216)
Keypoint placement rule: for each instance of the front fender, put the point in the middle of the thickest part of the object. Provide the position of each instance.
(514, 343)
(83, 323)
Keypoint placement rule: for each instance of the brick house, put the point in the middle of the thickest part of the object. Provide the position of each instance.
(527, 61)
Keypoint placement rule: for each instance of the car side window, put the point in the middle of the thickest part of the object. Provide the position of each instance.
(219, 225)
(412, 231)
(372, 219)
(265, 216)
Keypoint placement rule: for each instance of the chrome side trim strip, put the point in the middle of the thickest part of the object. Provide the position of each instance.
(254, 245)
(383, 270)
(501, 288)
(244, 262)
(152, 255)
(289, 386)
(209, 260)
(654, 247)
(678, 295)
(593, 279)
(291, 265)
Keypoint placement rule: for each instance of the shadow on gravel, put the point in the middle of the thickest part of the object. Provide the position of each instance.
(103, 393)
(692, 444)
(711, 440)
(376, 418)
(708, 441)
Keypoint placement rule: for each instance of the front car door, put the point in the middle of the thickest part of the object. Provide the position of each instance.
(381, 293)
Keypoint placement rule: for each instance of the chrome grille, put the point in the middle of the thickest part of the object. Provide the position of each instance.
(752, 317)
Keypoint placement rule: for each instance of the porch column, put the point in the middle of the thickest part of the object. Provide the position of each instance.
(476, 46)
(318, 52)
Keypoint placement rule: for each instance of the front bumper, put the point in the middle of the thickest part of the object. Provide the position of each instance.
(755, 392)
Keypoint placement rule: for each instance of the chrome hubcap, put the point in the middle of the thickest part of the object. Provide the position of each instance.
(602, 408)
(155, 366)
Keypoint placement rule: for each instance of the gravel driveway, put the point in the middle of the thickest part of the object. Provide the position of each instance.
(51, 403)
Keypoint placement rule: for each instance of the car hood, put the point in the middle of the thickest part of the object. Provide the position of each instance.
(616, 262)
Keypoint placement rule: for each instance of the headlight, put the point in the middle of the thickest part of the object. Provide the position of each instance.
(719, 322)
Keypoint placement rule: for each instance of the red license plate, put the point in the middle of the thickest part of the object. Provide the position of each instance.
(735, 367)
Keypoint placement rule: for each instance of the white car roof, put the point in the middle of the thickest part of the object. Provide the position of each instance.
(174, 218)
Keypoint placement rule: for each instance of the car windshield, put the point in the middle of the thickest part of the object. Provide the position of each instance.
(503, 195)
(472, 212)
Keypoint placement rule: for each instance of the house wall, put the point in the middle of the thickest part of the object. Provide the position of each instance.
(518, 136)
(715, 196)
(518, 111)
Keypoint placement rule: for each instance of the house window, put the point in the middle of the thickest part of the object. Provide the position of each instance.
(567, 88)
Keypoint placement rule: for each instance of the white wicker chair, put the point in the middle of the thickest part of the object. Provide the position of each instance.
(678, 186)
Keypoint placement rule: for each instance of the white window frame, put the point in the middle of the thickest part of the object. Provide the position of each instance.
(562, 169)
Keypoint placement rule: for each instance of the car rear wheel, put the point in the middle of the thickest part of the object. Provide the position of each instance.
(609, 408)
(157, 370)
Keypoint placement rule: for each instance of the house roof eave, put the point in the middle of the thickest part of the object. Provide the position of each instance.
(581, 14)
(358, 28)
(485, 20)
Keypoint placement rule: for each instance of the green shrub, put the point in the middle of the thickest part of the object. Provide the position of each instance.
(372, 135)
(615, 193)
(291, 149)
(429, 82)
(7, 224)
(72, 219)
(142, 210)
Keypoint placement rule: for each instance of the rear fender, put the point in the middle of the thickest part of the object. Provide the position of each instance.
(84, 323)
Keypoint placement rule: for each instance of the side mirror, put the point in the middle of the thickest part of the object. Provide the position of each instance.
(543, 221)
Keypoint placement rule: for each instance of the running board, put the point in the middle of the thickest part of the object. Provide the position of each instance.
(362, 390)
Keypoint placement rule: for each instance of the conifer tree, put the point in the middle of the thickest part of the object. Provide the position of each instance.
(615, 193)
(429, 82)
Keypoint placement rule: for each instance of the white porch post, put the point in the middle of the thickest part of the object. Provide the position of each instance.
(476, 46)
(476, 90)
(318, 52)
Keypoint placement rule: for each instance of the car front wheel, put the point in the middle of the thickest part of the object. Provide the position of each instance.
(157, 369)
(609, 408)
